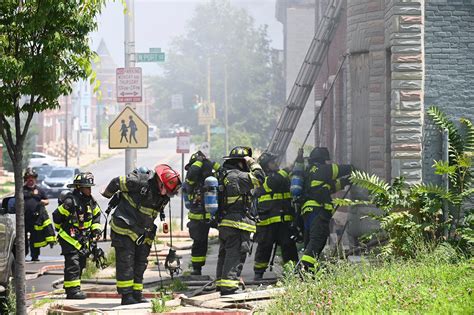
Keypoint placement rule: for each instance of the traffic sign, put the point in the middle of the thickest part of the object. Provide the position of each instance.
(129, 85)
(128, 131)
(177, 101)
(155, 50)
(151, 57)
(206, 113)
(183, 142)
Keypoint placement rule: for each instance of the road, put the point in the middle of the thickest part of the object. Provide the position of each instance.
(160, 151)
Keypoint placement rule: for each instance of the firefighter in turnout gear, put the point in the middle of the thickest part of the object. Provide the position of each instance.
(240, 175)
(275, 215)
(37, 221)
(143, 196)
(77, 221)
(321, 179)
(198, 169)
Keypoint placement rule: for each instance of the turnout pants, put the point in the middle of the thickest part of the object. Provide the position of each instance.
(266, 237)
(29, 244)
(234, 244)
(199, 233)
(74, 263)
(130, 262)
(318, 223)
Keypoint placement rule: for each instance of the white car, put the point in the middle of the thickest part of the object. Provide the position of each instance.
(39, 158)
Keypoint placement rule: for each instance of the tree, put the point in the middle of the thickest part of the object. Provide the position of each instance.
(44, 48)
(221, 34)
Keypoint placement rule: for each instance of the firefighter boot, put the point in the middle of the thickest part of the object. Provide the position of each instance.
(138, 296)
(196, 272)
(128, 299)
(258, 276)
(76, 295)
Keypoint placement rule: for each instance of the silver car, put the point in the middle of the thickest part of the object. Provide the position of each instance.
(58, 180)
(7, 245)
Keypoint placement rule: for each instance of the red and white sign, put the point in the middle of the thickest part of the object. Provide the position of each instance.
(183, 142)
(129, 85)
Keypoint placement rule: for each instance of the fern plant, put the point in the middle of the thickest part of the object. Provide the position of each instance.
(414, 213)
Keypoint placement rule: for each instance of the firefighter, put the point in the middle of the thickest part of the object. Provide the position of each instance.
(77, 220)
(198, 169)
(241, 174)
(275, 215)
(143, 196)
(321, 179)
(37, 221)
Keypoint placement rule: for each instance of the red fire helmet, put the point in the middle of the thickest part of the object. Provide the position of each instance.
(168, 179)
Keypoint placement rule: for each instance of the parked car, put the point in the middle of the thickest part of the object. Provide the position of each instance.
(43, 171)
(167, 132)
(7, 247)
(58, 180)
(152, 133)
(39, 158)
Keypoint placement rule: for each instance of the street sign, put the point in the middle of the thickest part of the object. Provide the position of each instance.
(155, 50)
(206, 149)
(129, 85)
(128, 131)
(151, 57)
(206, 113)
(183, 142)
(176, 101)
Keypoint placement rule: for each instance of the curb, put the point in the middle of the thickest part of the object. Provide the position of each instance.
(44, 270)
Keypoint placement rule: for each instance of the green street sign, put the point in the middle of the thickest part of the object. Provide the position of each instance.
(151, 57)
(155, 50)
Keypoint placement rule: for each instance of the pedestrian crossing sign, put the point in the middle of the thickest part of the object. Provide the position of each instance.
(128, 131)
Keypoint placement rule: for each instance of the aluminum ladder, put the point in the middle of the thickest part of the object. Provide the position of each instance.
(306, 79)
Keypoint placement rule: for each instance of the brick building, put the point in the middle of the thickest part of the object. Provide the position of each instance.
(404, 56)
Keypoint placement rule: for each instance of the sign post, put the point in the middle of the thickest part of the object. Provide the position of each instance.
(182, 146)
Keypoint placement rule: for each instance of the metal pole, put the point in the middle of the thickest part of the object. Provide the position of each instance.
(66, 123)
(226, 121)
(208, 127)
(182, 195)
(130, 154)
(98, 130)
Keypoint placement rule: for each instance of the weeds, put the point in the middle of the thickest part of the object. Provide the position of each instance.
(437, 281)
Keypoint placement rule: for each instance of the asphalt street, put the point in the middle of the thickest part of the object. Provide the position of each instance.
(160, 151)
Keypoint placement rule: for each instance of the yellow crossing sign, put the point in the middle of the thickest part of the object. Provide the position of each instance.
(206, 113)
(128, 131)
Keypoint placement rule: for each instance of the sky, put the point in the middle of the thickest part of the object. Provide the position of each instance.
(159, 21)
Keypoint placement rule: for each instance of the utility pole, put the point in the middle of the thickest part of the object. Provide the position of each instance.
(226, 121)
(208, 126)
(99, 131)
(130, 154)
(66, 123)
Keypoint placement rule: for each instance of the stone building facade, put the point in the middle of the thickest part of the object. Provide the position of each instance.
(404, 55)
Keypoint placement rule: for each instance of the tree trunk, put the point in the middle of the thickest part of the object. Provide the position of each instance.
(20, 281)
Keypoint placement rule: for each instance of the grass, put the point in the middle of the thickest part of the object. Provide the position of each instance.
(158, 305)
(428, 284)
(6, 188)
(91, 269)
